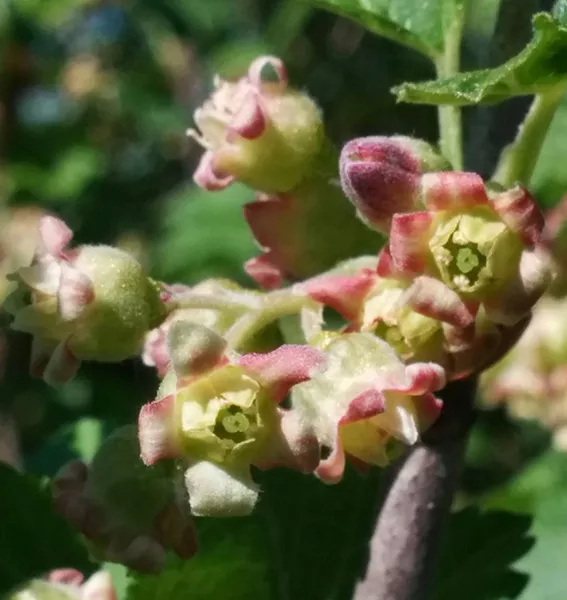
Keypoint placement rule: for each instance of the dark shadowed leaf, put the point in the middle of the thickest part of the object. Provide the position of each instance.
(478, 559)
(305, 540)
(33, 538)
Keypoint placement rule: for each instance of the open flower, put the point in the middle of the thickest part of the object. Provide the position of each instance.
(221, 415)
(364, 400)
(257, 130)
(68, 584)
(482, 245)
(86, 303)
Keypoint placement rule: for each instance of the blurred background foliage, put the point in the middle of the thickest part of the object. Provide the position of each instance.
(95, 99)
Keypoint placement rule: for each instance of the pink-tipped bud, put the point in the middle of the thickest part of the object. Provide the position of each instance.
(257, 130)
(381, 175)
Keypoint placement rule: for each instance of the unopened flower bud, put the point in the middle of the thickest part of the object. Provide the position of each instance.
(258, 131)
(381, 175)
(86, 303)
(103, 503)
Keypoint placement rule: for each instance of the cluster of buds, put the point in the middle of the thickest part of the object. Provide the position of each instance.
(68, 584)
(102, 502)
(532, 379)
(83, 303)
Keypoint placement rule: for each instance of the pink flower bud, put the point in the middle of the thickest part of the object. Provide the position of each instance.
(87, 303)
(257, 130)
(381, 176)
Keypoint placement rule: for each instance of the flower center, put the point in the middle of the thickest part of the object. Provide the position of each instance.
(465, 262)
(234, 424)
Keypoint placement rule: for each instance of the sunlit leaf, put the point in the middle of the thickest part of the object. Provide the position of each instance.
(540, 66)
(421, 25)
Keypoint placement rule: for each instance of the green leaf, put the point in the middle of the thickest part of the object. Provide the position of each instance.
(33, 538)
(479, 555)
(560, 11)
(414, 23)
(305, 540)
(542, 490)
(540, 66)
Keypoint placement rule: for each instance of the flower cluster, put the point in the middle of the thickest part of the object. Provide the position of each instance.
(340, 365)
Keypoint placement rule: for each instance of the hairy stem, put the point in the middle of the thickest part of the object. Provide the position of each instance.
(518, 160)
(404, 545)
(450, 118)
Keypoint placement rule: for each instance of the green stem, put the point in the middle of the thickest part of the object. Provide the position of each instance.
(450, 120)
(517, 161)
(247, 326)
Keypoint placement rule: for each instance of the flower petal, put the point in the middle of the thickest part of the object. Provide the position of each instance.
(216, 492)
(155, 353)
(518, 209)
(249, 122)
(295, 445)
(283, 368)
(54, 235)
(385, 267)
(193, 348)
(432, 298)
(155, 433)
(452, 189)
(99, 587)
(332, 468)
(207, 178)
(409, 236)
(515, 301)
(264, 270)
(42, 277)
(75, 292)
(368, 404)
(66, 577)
(343, 293)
